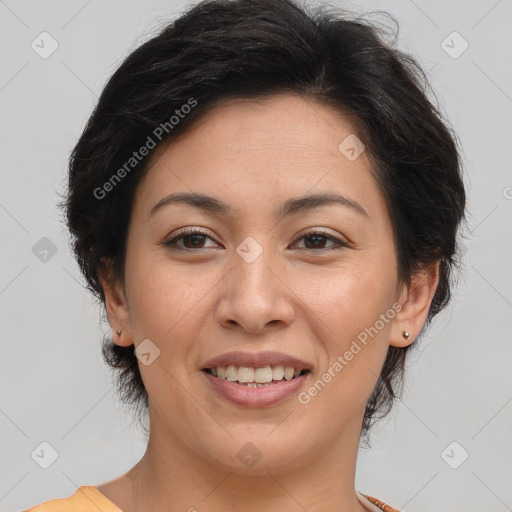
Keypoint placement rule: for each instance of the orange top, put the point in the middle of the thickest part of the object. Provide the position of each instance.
(87, 498)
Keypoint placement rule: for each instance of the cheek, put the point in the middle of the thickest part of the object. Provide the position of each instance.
(165, 298)
(355, 339)
(352, 297)
(166, 307)
(356, 309)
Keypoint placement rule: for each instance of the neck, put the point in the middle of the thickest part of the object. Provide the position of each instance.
(170, 476)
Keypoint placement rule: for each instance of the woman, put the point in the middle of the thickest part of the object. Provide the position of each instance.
(266, 203)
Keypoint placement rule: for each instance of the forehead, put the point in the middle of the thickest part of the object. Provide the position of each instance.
(246, 152)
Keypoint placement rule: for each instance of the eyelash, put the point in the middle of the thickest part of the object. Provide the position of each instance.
(172, 243)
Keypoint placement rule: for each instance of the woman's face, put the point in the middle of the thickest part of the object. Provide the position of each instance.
(260, 278)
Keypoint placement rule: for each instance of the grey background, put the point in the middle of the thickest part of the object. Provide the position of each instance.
(54, 386)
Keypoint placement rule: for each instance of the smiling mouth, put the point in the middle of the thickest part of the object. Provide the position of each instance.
(255, 377)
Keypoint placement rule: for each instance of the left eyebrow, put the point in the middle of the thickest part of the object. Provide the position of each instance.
(297, 205)
(290, 207)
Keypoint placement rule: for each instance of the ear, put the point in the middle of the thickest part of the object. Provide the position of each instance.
(415, 300)
(117, 310)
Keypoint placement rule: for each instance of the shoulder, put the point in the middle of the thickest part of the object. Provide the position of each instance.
(85, 498)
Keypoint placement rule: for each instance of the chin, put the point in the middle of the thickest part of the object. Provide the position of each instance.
(259, 453)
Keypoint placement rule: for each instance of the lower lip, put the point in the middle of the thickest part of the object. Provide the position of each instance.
(262, 396)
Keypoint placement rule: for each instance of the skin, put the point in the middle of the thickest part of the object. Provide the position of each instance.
(294, 298)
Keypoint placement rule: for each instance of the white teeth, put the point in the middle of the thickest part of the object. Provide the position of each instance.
(277, 372)
(245, 374)
(254, 377)
(231, 373)
(263, 375)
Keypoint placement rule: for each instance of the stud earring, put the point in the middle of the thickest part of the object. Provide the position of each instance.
(118, 332)
(405, 334)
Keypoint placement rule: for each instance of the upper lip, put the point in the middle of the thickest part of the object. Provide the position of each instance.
(258, 360)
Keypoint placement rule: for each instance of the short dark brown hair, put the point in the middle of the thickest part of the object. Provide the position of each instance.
(223, 49)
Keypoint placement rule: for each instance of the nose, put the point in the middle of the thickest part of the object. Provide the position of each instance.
(255, 296)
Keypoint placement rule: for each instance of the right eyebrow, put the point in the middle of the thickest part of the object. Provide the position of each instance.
(201, 201)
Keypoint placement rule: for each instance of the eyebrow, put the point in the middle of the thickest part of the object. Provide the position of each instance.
(290, 207)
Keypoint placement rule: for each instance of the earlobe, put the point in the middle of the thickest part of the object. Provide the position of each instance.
(415, 300)
(117, 311)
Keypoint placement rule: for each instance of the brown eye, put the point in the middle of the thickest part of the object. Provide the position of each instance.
(192, 239)
(318, 239)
